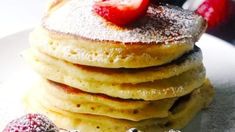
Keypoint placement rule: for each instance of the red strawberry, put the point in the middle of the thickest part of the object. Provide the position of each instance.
(214, 11)
(31, 123)
(121, 12)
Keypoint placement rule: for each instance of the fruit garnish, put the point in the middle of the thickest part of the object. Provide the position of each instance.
(133, 130)
(214, 11)
(121, 12)
(171, 2)
(31, 123)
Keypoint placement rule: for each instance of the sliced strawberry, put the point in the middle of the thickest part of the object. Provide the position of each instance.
(121, 12)
(214, 11)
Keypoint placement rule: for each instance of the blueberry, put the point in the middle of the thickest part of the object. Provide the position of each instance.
(172, 2)
(133, 130)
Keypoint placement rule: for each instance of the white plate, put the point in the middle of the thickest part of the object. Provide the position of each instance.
(219, 59)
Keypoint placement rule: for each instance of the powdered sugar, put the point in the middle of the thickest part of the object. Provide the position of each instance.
(161, 24)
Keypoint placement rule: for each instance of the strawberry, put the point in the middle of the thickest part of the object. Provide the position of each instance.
(121, 12)
(31, 123)
(214, 11)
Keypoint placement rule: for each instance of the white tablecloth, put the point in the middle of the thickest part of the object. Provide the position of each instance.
(16, 15)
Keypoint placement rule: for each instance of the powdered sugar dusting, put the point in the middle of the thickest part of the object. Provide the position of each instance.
(161, 24)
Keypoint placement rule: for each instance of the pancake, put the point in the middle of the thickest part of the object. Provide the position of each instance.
(52, 94)
(189, 61)
(75, 17)
(159, 89)
(188, 106)
(105, 54)
(67, 32)
(181, 114)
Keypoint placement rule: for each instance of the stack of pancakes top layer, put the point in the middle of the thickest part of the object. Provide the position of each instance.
(100, 77)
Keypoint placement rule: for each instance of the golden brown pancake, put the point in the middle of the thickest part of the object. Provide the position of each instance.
(174, 86)
(69, 99)
(181, 114)
(105, 54)
(72, 32)
(189, 61)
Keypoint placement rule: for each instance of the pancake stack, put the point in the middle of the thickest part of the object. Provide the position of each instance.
(98, 77)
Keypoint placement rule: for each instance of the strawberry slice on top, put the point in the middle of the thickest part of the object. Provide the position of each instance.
(121, 12)
(214, 11)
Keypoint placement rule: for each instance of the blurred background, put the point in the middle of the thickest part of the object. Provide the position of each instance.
(17, 15)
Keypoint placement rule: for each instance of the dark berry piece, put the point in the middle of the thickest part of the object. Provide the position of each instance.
(133, 130)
